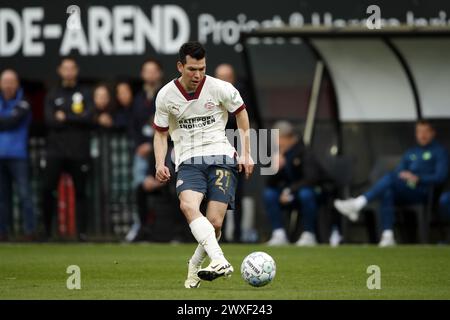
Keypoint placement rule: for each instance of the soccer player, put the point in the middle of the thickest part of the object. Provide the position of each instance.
(193, 109)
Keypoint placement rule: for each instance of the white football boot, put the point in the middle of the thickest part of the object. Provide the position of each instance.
(278, 238)
(192, 281)
(307, 239)
(216, 269)
(387, 239)
(348, 208)
(335, 238)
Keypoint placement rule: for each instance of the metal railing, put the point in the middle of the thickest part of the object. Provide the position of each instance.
(110, 194)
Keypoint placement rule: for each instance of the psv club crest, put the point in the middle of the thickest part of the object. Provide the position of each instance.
(210, 105)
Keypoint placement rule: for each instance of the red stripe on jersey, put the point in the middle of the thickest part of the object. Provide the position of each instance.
(185, 94)
(240, 109)
(159, 128)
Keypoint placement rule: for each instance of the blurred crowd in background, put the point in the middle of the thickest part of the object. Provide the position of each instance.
(74, 114)
(302, 188)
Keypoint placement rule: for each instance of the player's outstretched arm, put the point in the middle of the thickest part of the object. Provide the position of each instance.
(245, 160)
(160, 147)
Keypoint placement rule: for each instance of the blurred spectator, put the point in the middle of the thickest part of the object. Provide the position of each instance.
(158, 214)
(124, 102)
(15, 118)
(297, 183)
(103, 108)
(141, 131)
(421, 167)
(68, 116)
(226, 72)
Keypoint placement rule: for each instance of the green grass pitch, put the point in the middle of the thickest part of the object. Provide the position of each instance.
(157, 271)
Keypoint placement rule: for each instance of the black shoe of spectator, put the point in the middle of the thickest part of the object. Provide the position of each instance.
(43, 238)
(140, 235)
(29, 238)
(144, 234)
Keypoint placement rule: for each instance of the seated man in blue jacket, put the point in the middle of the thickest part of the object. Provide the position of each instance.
(299, 182)
(15, 117)
(421, 167)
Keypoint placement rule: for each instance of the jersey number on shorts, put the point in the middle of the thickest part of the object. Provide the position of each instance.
(220, 173)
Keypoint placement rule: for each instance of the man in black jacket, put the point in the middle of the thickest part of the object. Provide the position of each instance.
(68, 116)
(297, 182)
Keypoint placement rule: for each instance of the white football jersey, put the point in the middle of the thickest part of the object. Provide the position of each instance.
(196, 123)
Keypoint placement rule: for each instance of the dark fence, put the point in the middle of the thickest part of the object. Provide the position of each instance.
(111, 199)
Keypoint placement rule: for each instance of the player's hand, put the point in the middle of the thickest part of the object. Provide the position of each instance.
(162, 174)
(247, 164)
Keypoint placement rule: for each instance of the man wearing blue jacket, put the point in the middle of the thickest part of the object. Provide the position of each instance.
(15, 117)
(421, 167)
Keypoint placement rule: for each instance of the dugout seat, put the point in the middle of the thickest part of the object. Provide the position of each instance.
(339, 170)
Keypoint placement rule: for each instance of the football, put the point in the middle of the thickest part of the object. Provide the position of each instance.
(258, 269)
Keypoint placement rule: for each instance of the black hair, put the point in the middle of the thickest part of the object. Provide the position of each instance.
(106, 85)
(193, 49)
(425, 122)
(123, 81)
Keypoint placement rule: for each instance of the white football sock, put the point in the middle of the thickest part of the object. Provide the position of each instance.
(204, 233)
(200, 254)
(360, 202)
